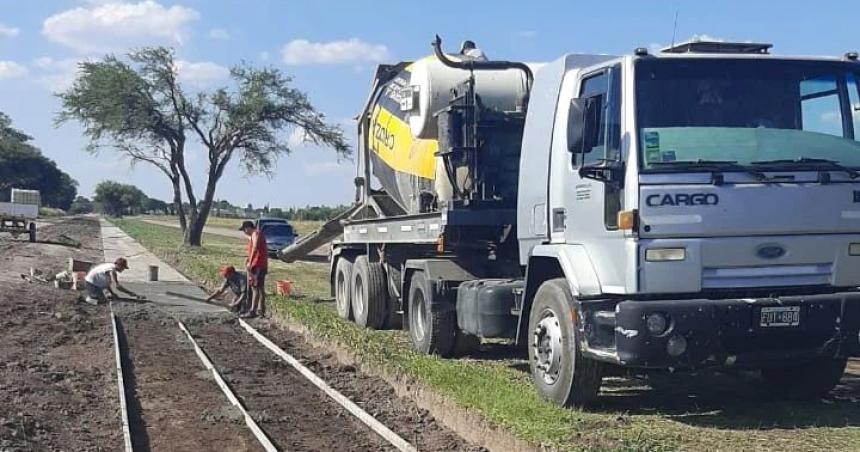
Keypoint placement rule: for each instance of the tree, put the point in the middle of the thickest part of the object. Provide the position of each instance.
(152, 205)
(81, 205)
(248, 121)
(133, 111)
(23, 166)
(117, 199)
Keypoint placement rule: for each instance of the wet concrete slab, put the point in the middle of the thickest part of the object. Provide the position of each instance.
(175, 297)
(172, 292)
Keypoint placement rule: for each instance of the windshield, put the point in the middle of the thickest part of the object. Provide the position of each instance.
(747, 111)
(277, 230)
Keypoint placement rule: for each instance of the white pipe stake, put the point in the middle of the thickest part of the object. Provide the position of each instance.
(249, 421)
(383, 431)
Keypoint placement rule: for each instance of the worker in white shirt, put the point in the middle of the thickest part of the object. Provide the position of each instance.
(103, 277)
(471, 52)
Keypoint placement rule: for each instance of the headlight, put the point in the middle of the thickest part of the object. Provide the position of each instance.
(665, 254)
(854, 249)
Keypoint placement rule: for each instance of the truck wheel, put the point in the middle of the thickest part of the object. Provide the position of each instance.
(432, 331)
(342, 281)
(369, 293)
(32, 230)
(560, 372)
(810, 380)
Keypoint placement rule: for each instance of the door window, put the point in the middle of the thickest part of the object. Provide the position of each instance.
(603, 94)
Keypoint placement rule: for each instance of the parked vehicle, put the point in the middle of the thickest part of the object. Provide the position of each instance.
(18, 216)
(699, 207)
(279, 234)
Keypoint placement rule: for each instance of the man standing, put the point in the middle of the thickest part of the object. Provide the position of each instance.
(102, 277)
(257, 264)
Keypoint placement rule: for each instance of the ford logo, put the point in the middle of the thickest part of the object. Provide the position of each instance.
(770, 251)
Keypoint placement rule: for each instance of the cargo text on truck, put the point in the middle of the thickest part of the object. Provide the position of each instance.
(677, 210)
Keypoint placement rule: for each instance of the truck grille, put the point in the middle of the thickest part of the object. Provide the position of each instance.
(766, 276)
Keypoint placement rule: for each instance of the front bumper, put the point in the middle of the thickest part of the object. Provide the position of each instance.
(722, 332)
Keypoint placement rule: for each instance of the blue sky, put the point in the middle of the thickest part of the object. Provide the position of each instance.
(331, 47)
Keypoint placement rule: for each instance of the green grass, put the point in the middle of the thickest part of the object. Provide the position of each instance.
(720, 417)
(301, 227)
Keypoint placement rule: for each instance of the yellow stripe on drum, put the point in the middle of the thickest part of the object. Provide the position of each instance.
(392, 140)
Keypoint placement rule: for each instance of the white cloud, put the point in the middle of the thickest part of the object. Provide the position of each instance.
(116, 26)
(297, 138)
(8, 32)
(706, 38)
(56, 75)
(11, 69)
(354, 50)
(201, 73)
(219, 34)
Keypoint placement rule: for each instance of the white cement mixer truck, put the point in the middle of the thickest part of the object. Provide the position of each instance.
(699, 207)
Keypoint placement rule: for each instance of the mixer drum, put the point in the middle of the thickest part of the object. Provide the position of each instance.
(403, 134)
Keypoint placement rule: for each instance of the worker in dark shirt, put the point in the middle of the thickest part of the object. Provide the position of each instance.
(257, 264)
(234, 281)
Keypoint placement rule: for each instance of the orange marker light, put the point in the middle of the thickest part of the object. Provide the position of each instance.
(627, 220)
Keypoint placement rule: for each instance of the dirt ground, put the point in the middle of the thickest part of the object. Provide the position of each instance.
(372, 394)
(174, 403)
(57, 384)
(298, 416)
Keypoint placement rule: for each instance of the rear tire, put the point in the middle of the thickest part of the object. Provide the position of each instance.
(369, 293)
(342, 284)
(807, 381)
(31, 229)
(432, 327)
(561, 374)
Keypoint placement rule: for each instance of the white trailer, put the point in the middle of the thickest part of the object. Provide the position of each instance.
(18, 217)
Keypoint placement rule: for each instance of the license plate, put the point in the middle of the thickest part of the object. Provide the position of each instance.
(775, 316)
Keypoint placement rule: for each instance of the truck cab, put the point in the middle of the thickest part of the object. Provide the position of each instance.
(702, 208)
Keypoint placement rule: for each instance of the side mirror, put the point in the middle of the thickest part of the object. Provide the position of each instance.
(583, 124)
(610, 172)
(576, 124)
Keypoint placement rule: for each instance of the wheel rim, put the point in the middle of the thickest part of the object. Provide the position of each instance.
(416, 316)
(358, 297)
(546, 346)
(341, 291)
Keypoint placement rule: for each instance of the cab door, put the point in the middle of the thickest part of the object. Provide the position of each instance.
(585, 211)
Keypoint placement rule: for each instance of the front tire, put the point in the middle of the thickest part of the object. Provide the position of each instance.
(807, 381)
(32, 231)
(369, 293)
(432, 330)
(561, 374)
(342, 292)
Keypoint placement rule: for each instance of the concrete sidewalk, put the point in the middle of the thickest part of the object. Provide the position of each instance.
(172, 292)
(116, 243)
